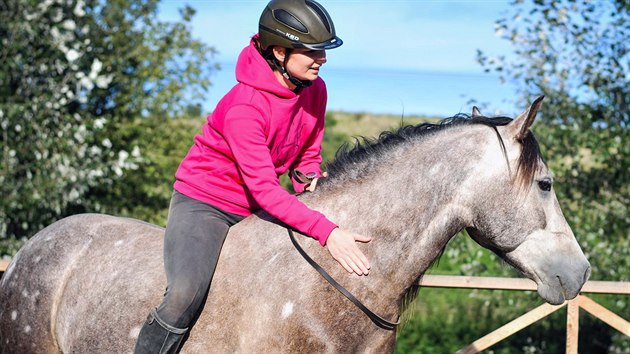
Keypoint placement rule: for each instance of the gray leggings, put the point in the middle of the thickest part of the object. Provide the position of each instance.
(195, 232)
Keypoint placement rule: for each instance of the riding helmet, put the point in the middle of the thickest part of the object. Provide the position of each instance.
(297, 24)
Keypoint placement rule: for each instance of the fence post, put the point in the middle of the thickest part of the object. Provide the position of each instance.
(573, 326)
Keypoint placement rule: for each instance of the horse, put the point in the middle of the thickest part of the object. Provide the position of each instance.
(86, 283)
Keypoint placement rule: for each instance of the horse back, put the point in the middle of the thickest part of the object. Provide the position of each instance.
(86, 283)
(44, 302)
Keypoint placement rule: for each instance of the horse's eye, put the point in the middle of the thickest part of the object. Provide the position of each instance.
(545, 184)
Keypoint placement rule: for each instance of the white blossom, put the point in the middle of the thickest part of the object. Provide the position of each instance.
(78, 9)
(63, 169)
(92, 174)
(82, 150)
(99, 123)
(74, 194)
(55, 34)
(69, 25)
(104, 81)
(87, 83)
(95, 150)
(58, 16)
(122, 157)
(80, 134)
(44, 5)
(106, 143)
(72, 55)
(96, 67)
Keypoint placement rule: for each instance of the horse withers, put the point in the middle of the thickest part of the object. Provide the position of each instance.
(86, 283)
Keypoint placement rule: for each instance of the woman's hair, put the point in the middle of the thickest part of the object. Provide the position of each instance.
(267, 54)
(276, 65)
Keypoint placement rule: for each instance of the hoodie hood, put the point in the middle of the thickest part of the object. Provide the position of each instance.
(253, 70)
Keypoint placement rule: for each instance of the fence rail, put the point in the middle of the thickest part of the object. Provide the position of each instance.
(497, 283)
(573, 307)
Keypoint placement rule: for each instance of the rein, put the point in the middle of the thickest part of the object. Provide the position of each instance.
(378, 320)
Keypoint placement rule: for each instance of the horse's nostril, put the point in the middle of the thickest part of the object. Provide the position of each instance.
(560, 281)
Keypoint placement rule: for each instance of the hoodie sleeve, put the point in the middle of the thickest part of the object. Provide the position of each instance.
(244, 130)
(310, 159)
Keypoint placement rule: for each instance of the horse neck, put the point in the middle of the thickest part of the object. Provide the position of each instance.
(412, 205)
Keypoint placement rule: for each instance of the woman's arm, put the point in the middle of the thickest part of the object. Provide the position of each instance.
(309, 161)
(244, 128)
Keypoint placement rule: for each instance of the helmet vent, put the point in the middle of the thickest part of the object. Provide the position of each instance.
(289, 20)
(321, 13)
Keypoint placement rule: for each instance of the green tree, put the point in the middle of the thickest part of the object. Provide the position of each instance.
(73, 74)
(576, 53)
(145, 193)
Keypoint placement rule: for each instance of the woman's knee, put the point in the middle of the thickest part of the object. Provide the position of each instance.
(181, 303)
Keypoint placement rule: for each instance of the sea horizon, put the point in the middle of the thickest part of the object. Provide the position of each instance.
(398, 91)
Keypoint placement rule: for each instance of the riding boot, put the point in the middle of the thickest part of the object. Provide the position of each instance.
(157, 337)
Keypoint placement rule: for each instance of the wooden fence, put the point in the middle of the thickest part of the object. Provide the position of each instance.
(573, 306)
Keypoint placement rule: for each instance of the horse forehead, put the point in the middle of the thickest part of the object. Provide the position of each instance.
(489, 147)
(502, 146)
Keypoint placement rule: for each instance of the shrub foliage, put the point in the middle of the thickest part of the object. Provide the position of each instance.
(74, 73)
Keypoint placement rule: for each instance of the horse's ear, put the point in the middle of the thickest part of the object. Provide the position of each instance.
(519, 127)
(476, 112)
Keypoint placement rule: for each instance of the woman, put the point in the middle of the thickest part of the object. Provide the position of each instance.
(271, 122)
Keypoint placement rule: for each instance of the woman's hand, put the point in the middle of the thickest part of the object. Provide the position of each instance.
(343, 248)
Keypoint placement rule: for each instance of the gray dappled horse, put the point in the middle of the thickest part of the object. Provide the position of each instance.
(85, 284)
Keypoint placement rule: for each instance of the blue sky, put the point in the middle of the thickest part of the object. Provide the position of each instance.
(432, 42)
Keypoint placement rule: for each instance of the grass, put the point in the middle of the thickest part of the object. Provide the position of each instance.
(368, 125)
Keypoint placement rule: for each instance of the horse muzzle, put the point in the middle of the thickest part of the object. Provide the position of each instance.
(561, 287)
(555, 262)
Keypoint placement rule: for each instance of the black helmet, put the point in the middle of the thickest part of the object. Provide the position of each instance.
(297, 24)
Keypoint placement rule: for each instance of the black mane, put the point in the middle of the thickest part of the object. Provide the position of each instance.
(364, 150)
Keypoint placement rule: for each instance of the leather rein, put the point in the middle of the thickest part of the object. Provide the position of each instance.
(378, 320)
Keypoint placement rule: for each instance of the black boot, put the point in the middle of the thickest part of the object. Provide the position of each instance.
(157, 337)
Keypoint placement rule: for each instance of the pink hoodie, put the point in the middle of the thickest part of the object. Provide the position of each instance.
(258, 131)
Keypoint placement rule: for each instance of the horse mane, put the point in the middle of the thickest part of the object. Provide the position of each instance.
(353, 161)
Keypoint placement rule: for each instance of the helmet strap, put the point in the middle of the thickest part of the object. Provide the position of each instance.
(299, 84)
